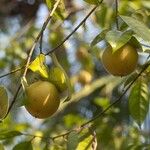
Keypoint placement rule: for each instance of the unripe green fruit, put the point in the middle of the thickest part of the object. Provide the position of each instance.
(122, 62)
(42, 99)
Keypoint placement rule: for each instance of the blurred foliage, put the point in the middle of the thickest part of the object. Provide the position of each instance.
(115, 130)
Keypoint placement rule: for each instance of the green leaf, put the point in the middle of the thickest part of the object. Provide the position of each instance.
(99, 38)
(60, 12)
(87, 141)
(135, 43)
(57, 77)
(38, 66)
(50, 3)
(2, 147)
(103, 102)
(138, 27)
(27, 145)
(73, 140)
(9, 134)
(117, 38)
(130, 78)
(139, 101)
(95, 2)
(3, 102)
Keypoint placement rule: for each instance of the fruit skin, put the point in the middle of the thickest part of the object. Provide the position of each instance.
(42, 99)
(84, 77)
(122, 62)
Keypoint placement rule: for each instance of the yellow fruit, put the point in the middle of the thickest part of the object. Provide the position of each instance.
(122, 62)
(84, 77)
(42, 99)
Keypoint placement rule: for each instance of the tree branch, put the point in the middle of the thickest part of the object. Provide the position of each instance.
(39, 35)
(116, 13)
(31, 52)
(78, 26)
(105, 110)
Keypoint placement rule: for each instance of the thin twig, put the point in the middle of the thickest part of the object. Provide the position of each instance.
(41, 44)
(12, 72)
(16, 70)
(119, 99)
(30, 54)
(39, 35)
(105, 110)
(145, 45)
(13, 101)
(116, 11)
(78, 26)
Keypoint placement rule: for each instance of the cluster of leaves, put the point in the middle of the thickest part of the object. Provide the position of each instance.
(115, 130)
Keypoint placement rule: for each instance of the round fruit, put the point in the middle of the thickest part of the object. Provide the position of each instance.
(122, 62)
(42, 99)
(84, 77)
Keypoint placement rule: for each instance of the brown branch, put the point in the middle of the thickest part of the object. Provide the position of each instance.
(116, 11)
(30, 54)
(13, 101)
(78, 26)
(78, 129)
(72, 12)
(39, 35)
(105, 110)
(12, 72)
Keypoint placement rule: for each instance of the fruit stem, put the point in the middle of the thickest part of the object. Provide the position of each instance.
(24, 83)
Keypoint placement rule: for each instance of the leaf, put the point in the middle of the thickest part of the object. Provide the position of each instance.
(139, 101)
(130, 78)
(9, 134)
(63, 72)
(73, 140)
(99, 38)
(38, 66)
(60, 11)
(57, 77)
(95, 2)
(138, 27)
(27, 145)
(50, 3)
(117, 38)
(3, 102)
(135, 43)
(2, 147)
(87, 140)
(102, 102)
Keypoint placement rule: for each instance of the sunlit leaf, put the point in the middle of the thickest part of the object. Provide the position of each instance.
(95, 2)
(117, 38)
(73, 140)
(38, 66)
(103, 102)
(99, 38)
(71, 120)
(27, 145)
(3, 102)
(2, 147)
(138, 27)
(9, 134)
(57, 77)
(87, 141)
(60, 11)
(139, 101)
